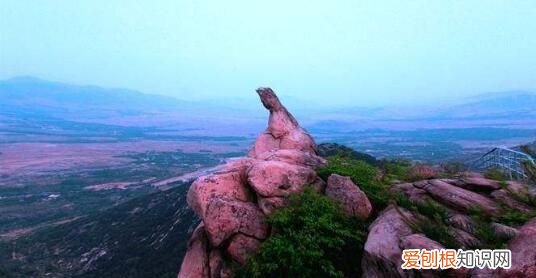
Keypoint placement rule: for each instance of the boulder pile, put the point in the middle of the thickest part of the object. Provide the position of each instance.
(392, 231)
(233, 202)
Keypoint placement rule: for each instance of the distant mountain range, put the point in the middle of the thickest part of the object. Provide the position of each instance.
(29, 94)
(31, 97)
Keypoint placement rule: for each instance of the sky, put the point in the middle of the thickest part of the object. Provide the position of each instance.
(331, 53)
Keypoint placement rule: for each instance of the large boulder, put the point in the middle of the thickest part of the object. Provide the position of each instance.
(195, 262)
(382, 256)
(352, 200)
(226, 218)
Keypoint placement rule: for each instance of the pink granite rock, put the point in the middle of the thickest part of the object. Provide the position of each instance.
(241, 247)
(460, 198)
(279, 179)
(283, 130)
(195, 262)
(523, 248)
(419, 241)
(503, 231)
(228, 185)
(353, 201)
(479, 184)
(382, 256)
(294, 157)
(225, 218)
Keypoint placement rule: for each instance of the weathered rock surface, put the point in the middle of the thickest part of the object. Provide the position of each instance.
(229, 185)
(479, 184)
(279, 179)
(242, 247)
(460, 198)
(283, 130)
(523, 248)
(195, 263)
(226, 218)
(382, 253)
(419, 241)
(504, 231)
(353, 201)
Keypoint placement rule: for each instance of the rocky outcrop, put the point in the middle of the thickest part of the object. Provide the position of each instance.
(523, 248)
(461, 196)
(283, 130)
(382, 256)
(234, 201)
(458, 197)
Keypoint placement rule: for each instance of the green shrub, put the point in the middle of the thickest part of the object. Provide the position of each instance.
(434, 225)
(513, 217)
(495, 174)
(484, 232)
(312, 238)
(395, 170)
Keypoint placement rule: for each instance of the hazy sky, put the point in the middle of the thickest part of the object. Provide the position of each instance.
(333, 52)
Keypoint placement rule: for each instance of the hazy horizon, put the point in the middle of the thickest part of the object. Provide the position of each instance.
(338, 54)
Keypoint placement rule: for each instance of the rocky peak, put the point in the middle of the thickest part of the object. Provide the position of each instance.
(233, 203)
(283, 131)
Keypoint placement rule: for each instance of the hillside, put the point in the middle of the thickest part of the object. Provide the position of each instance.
(144, 237)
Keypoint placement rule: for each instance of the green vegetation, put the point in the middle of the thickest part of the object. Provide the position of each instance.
(435, 225)
(143, 237)
(312, 238)
(495, 174)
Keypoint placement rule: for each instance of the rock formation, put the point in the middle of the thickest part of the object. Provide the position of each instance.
(393, 230)
(233, 202)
